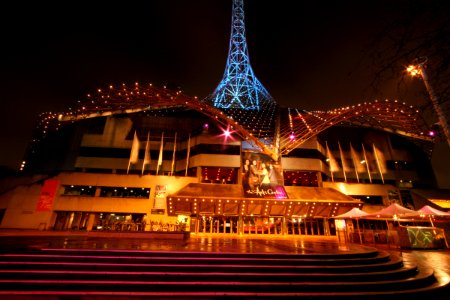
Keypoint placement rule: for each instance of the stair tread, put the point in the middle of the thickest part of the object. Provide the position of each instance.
(370, 252)
(248, 259)
(119, 260)
(67, 271)
(101, 273)
(424, 273)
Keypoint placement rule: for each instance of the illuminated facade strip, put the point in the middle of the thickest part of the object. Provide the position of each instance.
(294, 130)
(217, 206)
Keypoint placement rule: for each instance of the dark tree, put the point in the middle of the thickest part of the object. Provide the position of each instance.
(422, 30)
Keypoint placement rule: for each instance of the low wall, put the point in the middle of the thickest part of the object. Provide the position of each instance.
(151, 235)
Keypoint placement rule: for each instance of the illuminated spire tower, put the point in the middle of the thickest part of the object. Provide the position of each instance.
(239, 87)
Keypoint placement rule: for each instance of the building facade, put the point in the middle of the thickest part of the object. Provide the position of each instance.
(197, 178)
(140, 158)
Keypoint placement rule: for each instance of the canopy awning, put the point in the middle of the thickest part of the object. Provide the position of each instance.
(228, 199)
(394, 211)
(353, 213)
(428, 210)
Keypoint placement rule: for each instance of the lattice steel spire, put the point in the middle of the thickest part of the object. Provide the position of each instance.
(239, 87)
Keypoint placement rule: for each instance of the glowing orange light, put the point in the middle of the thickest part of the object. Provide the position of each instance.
(413, 70)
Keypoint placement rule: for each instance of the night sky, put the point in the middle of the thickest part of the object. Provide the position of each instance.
(308, 54)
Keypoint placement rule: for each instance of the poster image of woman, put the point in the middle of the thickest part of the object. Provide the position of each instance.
(261, 176)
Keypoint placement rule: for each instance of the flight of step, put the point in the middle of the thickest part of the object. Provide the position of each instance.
(132, 274)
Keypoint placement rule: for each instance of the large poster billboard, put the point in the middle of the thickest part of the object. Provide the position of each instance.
(159, 205)
(262, 177)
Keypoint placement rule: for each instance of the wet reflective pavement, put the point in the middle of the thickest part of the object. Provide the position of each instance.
(22, 240)
(438, 260)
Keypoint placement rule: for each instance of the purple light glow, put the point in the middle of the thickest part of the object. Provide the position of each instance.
(280, 192)
(227, 134)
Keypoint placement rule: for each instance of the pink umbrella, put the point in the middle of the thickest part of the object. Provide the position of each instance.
(432, 212)
(428, 210)
(394, 211)
(353, 213)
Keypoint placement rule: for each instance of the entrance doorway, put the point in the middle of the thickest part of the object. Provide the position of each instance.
(262, 225)
(216, 224)
(257, 225)
(307, 226)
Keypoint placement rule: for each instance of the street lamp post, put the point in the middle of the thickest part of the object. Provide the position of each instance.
(419, 69)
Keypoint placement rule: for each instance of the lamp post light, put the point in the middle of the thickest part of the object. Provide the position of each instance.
(419, 69)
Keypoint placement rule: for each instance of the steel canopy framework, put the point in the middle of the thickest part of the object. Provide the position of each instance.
(126, 100)
(295, 127)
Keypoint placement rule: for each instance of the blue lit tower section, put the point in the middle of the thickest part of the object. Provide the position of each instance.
(240, 93)
(239, 87)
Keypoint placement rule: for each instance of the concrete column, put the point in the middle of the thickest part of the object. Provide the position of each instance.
(319, 179)
(53, 219)
(199, 174)
(283, 226)
(91, 221)
(97, 192)
(326, 227)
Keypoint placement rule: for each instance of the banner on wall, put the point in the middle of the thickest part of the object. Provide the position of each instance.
(262, 177)
(47, 196)
(160, 198)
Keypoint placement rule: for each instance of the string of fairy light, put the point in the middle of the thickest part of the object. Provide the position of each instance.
(261, 123)
(255, 126)
(386, 115)
(189, 204)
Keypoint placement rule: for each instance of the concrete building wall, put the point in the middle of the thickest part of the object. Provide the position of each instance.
(21, 202)
(304, 164)
(216, 160)
(358, 189)
(114, 134)
(116, 131)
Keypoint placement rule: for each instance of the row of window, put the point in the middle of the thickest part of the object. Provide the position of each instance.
(106, 191)
(124, 192)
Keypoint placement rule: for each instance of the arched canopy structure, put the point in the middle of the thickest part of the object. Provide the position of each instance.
(123, 100)
(297, 126)
(294, 126)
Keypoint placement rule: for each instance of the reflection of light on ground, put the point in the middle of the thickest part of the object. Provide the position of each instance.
(437, 260)
(343, 247)
(441, 276)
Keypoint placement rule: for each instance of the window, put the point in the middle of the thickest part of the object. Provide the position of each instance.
(375, 200)
(124, 192)
(79, 190)
(300, 178)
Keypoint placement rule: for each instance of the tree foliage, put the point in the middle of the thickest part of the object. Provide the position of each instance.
(422, 31)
